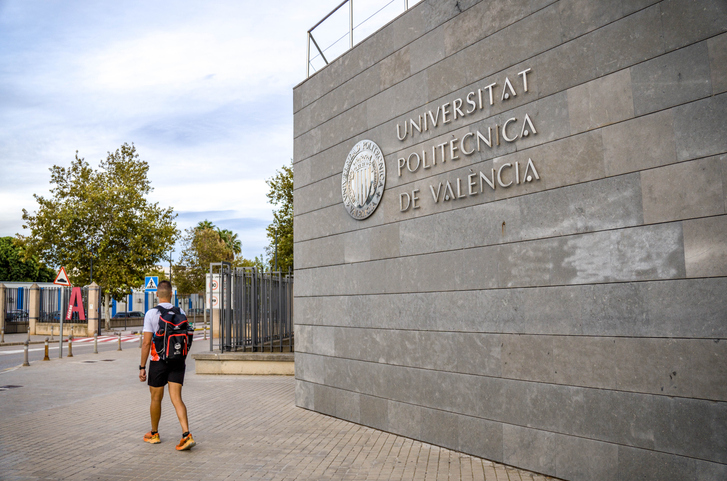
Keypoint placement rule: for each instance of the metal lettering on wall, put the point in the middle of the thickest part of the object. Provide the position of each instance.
(504, 131)
(363, 179)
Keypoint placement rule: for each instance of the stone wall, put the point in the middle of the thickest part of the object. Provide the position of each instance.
(573, 324)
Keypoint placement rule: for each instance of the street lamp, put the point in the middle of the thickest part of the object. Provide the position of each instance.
(276, 249)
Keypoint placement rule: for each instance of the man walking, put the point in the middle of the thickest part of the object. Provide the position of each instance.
(162, 373)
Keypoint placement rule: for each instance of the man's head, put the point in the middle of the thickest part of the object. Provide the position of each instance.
(164, 291)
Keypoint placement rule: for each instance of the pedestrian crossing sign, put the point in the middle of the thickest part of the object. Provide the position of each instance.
(151, 283)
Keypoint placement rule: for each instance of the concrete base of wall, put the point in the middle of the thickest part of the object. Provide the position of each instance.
(78, 330)
(246, 363)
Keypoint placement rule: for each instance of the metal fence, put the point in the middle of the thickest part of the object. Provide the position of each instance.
(255, 309)
(376, 13)
(16, 309)
(193, 306)
(54, 304)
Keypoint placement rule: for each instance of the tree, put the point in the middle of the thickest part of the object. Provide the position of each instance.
(155, 271)
(231, 241)
(15, 267)
(281, 195)
(102, 216)
(205, 224)
(201, 247)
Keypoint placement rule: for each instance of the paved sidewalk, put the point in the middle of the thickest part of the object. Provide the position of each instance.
(83, 419)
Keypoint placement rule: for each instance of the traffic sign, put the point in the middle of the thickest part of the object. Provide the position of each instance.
(151, 283)
(62, 278)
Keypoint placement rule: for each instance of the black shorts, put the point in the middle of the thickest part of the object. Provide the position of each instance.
(161, 372)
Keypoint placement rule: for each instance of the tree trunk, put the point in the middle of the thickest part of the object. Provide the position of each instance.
(107, 305)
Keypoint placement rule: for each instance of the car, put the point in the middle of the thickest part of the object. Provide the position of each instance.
(16, 315)
(128, 315)
(53, 316)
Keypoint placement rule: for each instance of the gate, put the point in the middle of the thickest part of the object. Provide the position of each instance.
(51, 303)
(255, 309)
(16, 309)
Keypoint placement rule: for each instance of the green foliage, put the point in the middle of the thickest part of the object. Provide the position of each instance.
(281, 196)
(242, 262)
(15, 267)
(205, 224)
(201, 247)
(204, 244)
(102, 214)
(231, 241)
(155, 271)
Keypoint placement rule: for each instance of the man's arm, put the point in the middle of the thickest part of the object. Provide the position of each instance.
(145, 349)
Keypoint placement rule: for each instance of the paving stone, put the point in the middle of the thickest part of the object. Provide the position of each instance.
(246, 427)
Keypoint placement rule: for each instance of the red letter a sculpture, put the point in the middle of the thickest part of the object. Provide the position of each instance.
(76, 305)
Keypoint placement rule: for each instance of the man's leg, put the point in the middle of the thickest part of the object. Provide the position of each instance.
(175, 394)
(157, 394)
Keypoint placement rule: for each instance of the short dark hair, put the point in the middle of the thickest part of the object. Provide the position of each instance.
(164, 289)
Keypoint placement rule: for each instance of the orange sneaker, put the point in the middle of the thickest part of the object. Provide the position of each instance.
(186, 443)
(152, 438)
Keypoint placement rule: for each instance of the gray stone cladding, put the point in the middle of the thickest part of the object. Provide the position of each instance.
(574, 325)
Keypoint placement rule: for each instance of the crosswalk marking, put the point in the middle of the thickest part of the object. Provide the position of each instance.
(81, 340)
(86, 340)
(127, 338)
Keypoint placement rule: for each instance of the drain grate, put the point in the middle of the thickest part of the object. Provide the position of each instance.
(108, 360)
(88, 362)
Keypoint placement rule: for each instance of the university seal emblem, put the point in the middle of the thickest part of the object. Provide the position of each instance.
(363, 179)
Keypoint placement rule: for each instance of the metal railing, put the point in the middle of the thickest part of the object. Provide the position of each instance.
(51, 303)
(16, 309)
(255, 309)
(350, 32)
(54, 304)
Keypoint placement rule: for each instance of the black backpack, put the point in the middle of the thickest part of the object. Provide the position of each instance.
(174, 335)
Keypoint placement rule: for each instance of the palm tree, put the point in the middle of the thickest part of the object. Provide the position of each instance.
(205, 224)
(231, 240)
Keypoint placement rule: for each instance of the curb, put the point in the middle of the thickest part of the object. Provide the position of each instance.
(23, 343)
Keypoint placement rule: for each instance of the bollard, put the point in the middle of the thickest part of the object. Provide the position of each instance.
(95, 343)
(28, 333)
(204, 328)
(25, 354)
(46, 358)
(141, 339)
(70, 346)
(2, 335)
(51, 334)
(119, 342)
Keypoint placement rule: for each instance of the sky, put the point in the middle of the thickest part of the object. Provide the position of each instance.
(203, 89)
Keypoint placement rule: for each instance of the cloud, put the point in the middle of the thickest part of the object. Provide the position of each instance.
(203, 90)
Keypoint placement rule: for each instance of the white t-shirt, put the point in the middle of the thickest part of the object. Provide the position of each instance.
(151, 318)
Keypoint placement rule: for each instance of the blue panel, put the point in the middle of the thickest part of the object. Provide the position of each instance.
(113, 307)
(151, 283)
